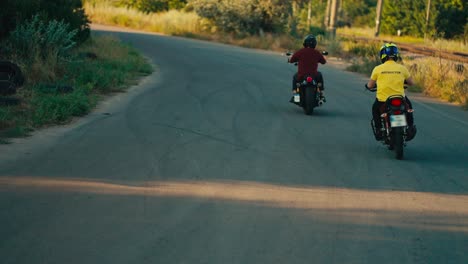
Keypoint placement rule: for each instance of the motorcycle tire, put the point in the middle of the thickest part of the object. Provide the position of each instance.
(309, 102)
(398, 142)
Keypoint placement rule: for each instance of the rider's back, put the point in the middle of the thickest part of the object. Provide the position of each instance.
(390, 77)
(308, 60)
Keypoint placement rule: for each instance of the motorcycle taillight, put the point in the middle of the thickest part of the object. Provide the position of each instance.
(309, 79)
(396, 102)
(397, 112)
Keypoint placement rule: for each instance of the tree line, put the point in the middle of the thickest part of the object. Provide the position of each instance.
(442, 18)
(437, 18)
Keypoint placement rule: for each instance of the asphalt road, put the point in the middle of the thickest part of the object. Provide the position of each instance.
(206, 161)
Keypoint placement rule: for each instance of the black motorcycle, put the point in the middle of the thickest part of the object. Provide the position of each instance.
(394, 128)
(307, 93)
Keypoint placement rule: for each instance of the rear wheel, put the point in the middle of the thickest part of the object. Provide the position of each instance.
(398, 142)
(309, 100)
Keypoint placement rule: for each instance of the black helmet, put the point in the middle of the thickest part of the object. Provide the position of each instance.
(310, 41)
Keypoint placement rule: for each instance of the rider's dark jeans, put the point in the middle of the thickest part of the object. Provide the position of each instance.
(319, 80)
(376, 113)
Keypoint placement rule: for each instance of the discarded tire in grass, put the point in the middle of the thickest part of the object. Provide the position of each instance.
(11, 78)
(6, 101)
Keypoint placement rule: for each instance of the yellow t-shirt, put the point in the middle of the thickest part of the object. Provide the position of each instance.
(390, 77)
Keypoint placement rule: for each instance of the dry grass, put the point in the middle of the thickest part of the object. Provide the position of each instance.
(107, 46)
(442, 44)
(172, 23)
(183, 24)
(440, 78)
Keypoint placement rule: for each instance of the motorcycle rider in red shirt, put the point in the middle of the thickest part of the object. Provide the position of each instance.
(308, 59)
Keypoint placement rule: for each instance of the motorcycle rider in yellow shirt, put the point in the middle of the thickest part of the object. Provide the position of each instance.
(390, 78)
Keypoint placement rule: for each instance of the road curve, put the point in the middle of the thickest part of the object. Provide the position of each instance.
(206, 161)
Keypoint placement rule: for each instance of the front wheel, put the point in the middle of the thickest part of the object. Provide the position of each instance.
(309, 102)
(398, 142)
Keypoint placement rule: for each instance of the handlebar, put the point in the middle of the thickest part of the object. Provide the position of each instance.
(289, 53)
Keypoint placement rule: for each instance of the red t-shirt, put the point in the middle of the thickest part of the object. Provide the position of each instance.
(308, 60)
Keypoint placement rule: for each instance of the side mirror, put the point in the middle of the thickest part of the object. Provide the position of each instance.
(324, 52)
(288, 53)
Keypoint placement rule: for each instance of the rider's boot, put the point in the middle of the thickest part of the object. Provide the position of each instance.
(411, 132)
(322, 97)
(378, 133)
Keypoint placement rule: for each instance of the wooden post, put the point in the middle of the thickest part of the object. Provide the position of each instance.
(378, 18)
(326, 21)
(333, 18)
(294, 8)
(428, 11)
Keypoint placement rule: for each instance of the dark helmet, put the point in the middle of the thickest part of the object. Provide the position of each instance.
(389, 50)
(310, 41)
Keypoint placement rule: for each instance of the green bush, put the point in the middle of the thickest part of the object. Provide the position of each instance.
(370, 51)
(244, 16)
(15, 12)
(333, 46)
(150, 6)
(5, 117)
(317, 31)
(38, 39)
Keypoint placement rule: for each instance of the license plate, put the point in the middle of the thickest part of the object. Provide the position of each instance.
(397, 120)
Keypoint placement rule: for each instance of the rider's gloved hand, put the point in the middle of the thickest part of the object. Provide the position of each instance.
(370, 89)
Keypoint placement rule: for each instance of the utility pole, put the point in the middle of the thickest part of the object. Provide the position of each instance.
(292, 18)
(327, 15)
(428, 10)
(378, 18)
(333, 18)
(294, 8)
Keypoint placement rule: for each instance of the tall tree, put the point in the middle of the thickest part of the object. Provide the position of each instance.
(448, 18)
(404, 15)
(358, 13)
(451, 17)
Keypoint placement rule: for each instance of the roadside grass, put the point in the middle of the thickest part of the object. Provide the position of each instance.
(54, 94)
(181, 23)
(173, 22)
(437, 43)
(441, 78)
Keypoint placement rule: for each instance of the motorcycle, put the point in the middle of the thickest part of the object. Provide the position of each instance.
(394, 128)
(307, 93)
